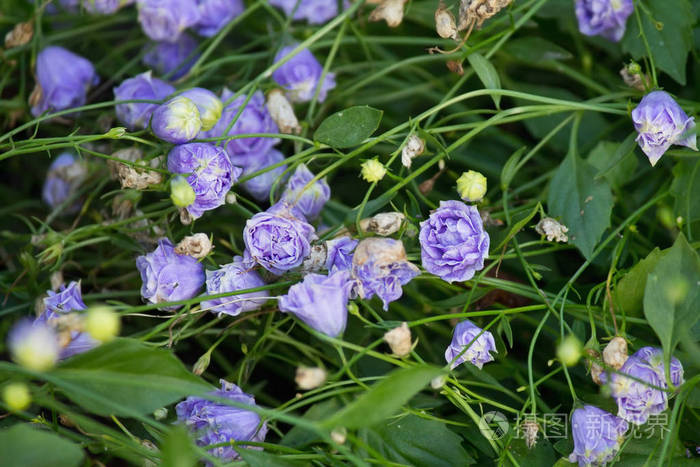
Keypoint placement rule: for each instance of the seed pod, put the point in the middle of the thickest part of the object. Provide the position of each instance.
(445, 22)
(282, 112)
(390, 11)
(615, 353)
(399, 339)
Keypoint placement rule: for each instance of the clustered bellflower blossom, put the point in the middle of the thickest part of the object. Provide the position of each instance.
(165, 20)
(380, 267)
(238, 275)
(453, 242)
(605, 18)
(176, 121)
(213, 422)
(209, 173)
(209, 106)
(301, 74)
(63, 178)
(320, 301)
(597, 436)
(173, 59)
(277, 240)
(306, 201)
(137, 115)
(655, 358)
(660, 122)
(63, 80)
(314, 11)
(168, 276)
(259, 186)
(339, 253)
(637, 400)
(478, 352)
(215, 14)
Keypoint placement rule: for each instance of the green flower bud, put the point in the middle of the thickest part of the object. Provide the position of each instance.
(16, 396)
(373, 170)
(569, 350)
(471, 186)
(102, 323)
(181, 192)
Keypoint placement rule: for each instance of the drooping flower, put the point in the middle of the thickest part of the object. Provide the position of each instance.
(660, 122)
(453, 242)
(380, 267)
(637, 400)
(320, 301)
(176, 121)
(167, 276)
(301, 76)
(165, 20)
(65, 175)
(173, 59)
(33, 345)
(213, 422)
(63, 80)
(314, 11)
(655, 358)
(478, 349)
(597, 436)
(306, 201)
(277, 240)
(215, 14)
(211, 174)
(339, 253)
(209, 106)
(471, 186)
(254, 118)
(136, 115)
(605, 18)
(232, 277)
(259, 187)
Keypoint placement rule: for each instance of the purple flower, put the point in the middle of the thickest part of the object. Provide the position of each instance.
(636, 400)
(136, 115)
(167, 276)
(63, 178)
(380, 267)
(177, 121)
(479, 350)
(211, 174)
(597, 436)
(164, 20)
(33, 344)
(453, 242)
(339, 252)
(660, 122)
(300, 76)
(63, 80)
(278, 241)
(306, 201)
(314, 11)
(209, 106)
(68, 298)
(605, 18)
(213, 422)
(655, 358)
(172, 58)
(253, 119)
(215, 14)
(232, 277)
(320, 301)
(259, 187)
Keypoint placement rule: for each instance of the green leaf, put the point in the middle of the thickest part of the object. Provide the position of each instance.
(509, 168)
(517, 227)
(413, 440)
(385, 398)
(536, 50)
(24, 445)
(541, 454)
(259, 458)
(581, 202)
(348, 127)
(672, 295)
(298, 436)
(487, 74)
(686, 190)
(629, 292)
(613, 162)
(667, 26)
(125, 377)
(177, 449)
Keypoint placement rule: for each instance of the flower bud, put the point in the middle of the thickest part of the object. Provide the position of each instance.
(16, 396)
(34, 345)
(399, 339)
(471, 186)
(438, 382)
(595, 367)
(615, 353)
(310, 378)
(197, 246)
(414, 147)
(282, 112)
(569, 350)
(339, 434)
(181, 192)
(160, 414)
(552, 229)
(102, 323)
(177, 121)
(202, 364)
(373, 170)
(208, 105)
(390, 11)
(384, 223)
(445, 22)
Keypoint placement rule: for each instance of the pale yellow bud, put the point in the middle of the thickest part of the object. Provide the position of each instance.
(569, 350)
(181, 192)
(102, 323)
(373, 170)
(471, 186)
(16, 396)
(310, 378)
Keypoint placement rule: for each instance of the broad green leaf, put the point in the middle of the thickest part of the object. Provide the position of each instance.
(541, 454)
(536, 49)
(487, 74)
(385, 398)
(581, 202)
(261, 458)
(667, 26)
(125, 377)
(412, 440)
(348, 127)
(672, 294)
(629, 292)
(177, 449)
(686, 190)
(613, 160)
(24, 445)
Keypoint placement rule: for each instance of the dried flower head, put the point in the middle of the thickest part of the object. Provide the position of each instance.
(384, 223)
(19, 35)
(308, 378)
(414, 147)
(475, 12)
(615, 353)
(445, 23)
(135, 177)
(390, 11)
(399, 339)
(197, 246)
(282, 112)
(552, 229)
